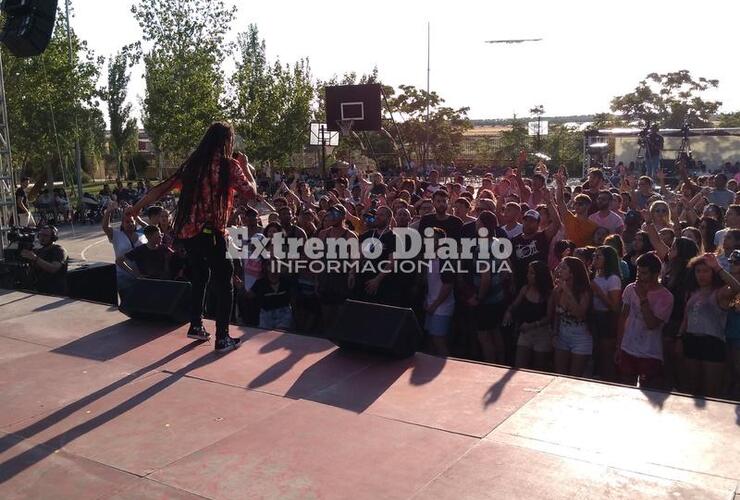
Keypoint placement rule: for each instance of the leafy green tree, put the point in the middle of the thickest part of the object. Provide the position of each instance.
(729, 120)
(565, 147)
(605, 121)
(669, 100)
(485, 151)
(442, 132)
(270, 104)
(513, 141)
(44, 96)
(123, 128)
(184, 82)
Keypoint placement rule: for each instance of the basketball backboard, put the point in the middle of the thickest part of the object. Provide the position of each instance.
(358, 104)
(321, 135)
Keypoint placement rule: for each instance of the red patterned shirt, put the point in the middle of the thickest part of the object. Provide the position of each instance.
(202, 213)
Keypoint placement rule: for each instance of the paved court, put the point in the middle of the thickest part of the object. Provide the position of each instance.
(93, 405)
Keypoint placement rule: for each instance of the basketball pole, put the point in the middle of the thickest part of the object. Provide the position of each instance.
(323, 151)
(429, 70)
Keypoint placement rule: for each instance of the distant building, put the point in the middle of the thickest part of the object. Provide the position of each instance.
(145, 145)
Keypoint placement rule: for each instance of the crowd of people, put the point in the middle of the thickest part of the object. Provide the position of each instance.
(634, 283)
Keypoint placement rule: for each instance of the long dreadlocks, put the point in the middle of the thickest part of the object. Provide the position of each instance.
(217, 142)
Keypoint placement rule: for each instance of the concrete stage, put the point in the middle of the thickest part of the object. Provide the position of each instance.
(93, 405)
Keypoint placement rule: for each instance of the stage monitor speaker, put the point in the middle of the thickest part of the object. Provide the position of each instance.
(95, 281)
(28, 26)
(160, 300)
(377, 328)
(358, 103)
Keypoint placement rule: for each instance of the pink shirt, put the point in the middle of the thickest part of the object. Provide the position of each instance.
(613, 222)
(638, 339)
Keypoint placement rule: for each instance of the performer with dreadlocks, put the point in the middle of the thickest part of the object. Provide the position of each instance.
(207, 181)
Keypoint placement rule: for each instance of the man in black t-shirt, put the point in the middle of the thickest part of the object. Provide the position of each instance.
(533, 245)
(152, 259)
(48, 263)
(450, 224)
(273, 294)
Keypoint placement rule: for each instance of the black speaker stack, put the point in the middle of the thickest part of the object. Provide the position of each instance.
(28, 26)
(376, 328)
(159, 300)
(95, 281)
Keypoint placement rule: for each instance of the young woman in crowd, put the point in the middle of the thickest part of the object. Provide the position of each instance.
(708, 226)
(694, 235)
(675, 277)
(491, 296)
(530, 313)
(711, 292)
(660, 215)
(607, 303)
(641, 245)
(568, 309)
(562, 248)
(730, 243)
(615, 241)
(732, 333)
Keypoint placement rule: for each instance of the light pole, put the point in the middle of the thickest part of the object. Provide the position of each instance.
(78, 150)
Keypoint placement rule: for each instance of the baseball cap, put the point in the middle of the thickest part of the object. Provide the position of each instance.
(533, 214)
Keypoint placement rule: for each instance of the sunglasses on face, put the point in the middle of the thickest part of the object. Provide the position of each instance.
(660, 211)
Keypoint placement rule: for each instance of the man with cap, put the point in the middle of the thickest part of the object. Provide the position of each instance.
(533, 244)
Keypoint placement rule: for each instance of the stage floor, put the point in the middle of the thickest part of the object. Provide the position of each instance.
(93, 405)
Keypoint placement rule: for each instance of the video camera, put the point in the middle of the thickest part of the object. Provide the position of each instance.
(14, 269)
(25, 237)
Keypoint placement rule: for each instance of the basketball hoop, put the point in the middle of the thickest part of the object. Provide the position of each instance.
(345, 126)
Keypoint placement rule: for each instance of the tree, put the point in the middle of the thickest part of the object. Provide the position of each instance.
(184, 82)
(513, 141)
(123, 128)
(669, 100)
(565, 147)
(269, 104)
(730, 120)
(537, 112)
(443, 131)
(605, 121)
(44, 96)
(485, 151)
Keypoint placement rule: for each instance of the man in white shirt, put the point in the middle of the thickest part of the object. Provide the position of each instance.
(732, 219)
(511, 215)
(604, 216)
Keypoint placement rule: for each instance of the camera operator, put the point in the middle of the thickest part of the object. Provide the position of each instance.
(48, 263)
(653, 144)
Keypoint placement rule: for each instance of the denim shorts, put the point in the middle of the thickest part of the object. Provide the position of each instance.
(576, 341)
(538, 339)
(281, 319)
(437, 325)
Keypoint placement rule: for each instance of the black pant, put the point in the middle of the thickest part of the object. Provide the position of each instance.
(207, 259)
